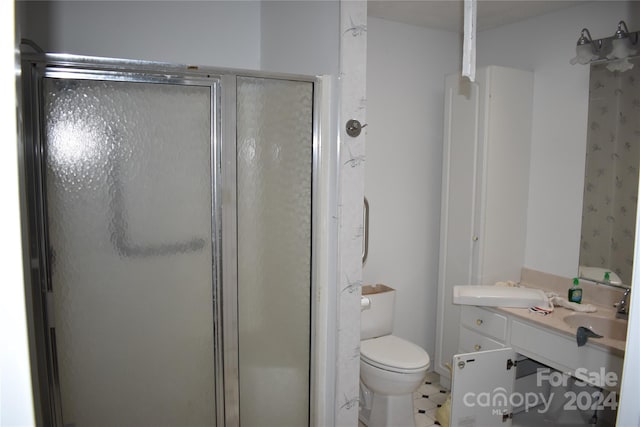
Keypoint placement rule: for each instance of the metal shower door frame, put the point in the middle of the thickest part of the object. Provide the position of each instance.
(224, 211)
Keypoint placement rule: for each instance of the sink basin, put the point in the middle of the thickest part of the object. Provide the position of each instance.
(615, 329)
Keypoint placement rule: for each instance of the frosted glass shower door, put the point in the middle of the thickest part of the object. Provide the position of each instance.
(274, 177)
(128, 176)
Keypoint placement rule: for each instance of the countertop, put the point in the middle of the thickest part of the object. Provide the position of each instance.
(555, 321)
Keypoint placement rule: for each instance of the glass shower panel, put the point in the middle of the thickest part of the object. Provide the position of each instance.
(274, 168)
(129, 214)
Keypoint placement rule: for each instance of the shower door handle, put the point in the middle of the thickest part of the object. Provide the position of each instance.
(365, 232)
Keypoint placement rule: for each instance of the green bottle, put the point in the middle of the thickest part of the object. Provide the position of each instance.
(575, 292)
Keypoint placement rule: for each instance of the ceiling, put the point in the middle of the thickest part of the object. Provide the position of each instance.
(448, 14)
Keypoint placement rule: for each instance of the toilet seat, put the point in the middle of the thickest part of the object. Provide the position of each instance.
(394, 354)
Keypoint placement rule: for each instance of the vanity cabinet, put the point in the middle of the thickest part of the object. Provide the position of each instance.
(486, 152)
(492, 344)
(483, 329)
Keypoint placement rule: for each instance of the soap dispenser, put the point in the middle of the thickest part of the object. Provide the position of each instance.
(575, 292)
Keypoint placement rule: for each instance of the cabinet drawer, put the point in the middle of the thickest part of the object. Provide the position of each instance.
(484, 321)
(471, 341)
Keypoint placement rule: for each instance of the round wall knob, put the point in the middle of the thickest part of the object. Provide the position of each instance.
(479, 322)
(477, 347)
(354, 127)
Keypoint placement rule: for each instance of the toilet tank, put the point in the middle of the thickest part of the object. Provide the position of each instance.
(377, 319)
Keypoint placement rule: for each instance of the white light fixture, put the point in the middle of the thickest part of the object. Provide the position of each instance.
(616, 48)
(585, 49)
(621, 43)
(620, 65)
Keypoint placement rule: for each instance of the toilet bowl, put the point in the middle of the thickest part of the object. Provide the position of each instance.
(391, 368)
(391, 365)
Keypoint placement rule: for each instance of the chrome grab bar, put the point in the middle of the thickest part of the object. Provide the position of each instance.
(365, 237)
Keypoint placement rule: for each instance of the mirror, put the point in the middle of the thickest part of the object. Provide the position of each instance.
(611, 175)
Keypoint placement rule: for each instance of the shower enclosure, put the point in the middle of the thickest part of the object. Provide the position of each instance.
(169, 232)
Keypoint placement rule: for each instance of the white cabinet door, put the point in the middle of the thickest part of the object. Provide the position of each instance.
(482, 387)
(459, 197)
(504, 194)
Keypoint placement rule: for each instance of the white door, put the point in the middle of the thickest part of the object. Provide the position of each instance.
(459, 213)
(482, 388)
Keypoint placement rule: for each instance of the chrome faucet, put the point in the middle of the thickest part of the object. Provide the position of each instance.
(623, 306)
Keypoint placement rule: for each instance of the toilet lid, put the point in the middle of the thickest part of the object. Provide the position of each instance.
(393, 353)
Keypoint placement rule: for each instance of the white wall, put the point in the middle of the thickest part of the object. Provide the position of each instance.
(406, 67)
(282, 36)
(214, 33)
(544, 45)
(300, 36)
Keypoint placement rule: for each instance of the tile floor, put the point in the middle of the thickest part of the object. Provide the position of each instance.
(426, 400)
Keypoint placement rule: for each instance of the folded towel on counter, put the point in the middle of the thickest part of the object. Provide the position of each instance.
(557, 301)
(584, 308)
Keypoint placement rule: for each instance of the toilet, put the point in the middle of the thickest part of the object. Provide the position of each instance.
(391, 368)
